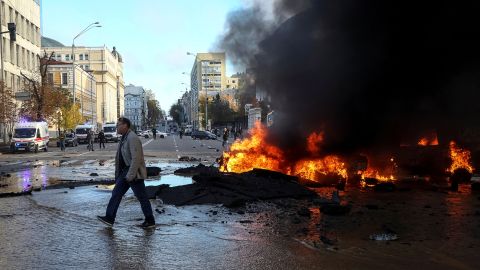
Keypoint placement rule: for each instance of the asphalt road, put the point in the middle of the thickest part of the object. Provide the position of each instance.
(171, 147)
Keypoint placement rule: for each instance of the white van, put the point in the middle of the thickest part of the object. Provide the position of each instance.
(110, 131)
(30, 136)
(82, 132)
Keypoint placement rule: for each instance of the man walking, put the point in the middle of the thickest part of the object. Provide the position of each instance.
(225, 136)
(154, 131)
(61, 138)
(90, 140)
(130, 172)
(101, 139)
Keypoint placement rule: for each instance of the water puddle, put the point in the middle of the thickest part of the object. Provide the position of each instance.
(170, 179)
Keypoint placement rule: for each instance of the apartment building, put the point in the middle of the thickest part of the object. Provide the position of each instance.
(20, 55)
(136, 106)
(208, 78)
(60, 74)
(107, 67)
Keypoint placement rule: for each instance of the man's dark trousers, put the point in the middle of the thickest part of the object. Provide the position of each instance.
(121, 187)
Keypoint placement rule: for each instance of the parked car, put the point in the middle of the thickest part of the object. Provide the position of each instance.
(203, 135)
(146, 134)
(162, 134)
(71, 139)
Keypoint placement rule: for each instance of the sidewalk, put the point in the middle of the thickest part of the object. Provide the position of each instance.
(4, 148)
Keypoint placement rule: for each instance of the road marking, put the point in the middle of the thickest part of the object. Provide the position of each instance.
(176, 146)
(149, 141)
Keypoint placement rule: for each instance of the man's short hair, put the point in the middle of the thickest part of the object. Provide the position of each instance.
(126, 121)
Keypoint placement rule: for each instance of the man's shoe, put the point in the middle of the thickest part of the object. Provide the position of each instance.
(147, 225)
(105, 220)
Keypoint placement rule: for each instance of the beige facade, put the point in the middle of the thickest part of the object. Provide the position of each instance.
(60, 74)
(232, 83)
(208, 75)
(20, 55)
(107, 68)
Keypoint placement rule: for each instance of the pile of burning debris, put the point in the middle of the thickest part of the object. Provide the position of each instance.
(230, 189)
(256, 170)
(425, 161)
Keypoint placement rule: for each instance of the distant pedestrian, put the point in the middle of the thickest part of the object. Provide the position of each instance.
(61, 138)
(90, 140)
(154, 131)
(181, 133)
(235, 134)
(130, 172)
(10, 136)
(225, 136)
(101, 139)
(240, 132)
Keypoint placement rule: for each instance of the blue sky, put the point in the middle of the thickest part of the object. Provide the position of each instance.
(153, 36)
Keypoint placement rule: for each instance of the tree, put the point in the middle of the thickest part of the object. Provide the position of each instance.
(46, 100)
(71, 116)
(154, 112)
(220, 111)
(176, 112)
(8, 110)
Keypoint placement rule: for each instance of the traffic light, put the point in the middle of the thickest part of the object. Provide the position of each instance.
(12, 28)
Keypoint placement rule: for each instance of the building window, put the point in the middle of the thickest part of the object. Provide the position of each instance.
(81, 56)
(64, 79)
(86, 56)
(67, 57)
(50, 78)
(87, 67)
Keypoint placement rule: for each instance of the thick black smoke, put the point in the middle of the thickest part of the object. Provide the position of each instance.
(371, 74)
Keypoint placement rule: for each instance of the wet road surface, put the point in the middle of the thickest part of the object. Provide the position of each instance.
(57, 228)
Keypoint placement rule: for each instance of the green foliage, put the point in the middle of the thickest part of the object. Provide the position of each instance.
(70, 116)
(176, 112)
(154, 113)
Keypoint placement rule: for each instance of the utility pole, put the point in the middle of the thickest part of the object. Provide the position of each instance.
(92, 25)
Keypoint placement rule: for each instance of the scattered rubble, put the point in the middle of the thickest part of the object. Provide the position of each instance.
(153, 171)
(189, 159)
(199, 169)
(231, 189)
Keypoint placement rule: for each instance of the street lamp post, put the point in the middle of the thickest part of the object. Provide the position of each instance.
(92, 25)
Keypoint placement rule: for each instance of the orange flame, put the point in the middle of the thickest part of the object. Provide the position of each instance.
(425, 141)
(460, 158)
(252, 152)
(255, 152)
(372, 173)
(312, 142)
(313, 168)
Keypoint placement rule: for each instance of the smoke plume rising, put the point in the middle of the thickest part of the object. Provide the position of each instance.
(369, 74)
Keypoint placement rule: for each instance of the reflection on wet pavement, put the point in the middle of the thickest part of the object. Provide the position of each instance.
(41, 174)
(57, 229)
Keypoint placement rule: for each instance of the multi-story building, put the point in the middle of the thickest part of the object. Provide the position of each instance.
(232, 82)
(107, 68)
(186, 102)
(20, 56)
(208, 75)
(136, 106)
(60, 74)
